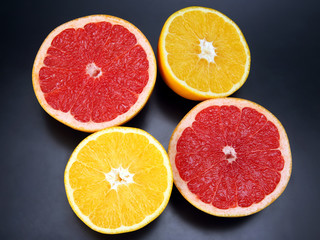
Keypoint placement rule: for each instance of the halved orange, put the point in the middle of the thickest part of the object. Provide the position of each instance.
(94, 72)
(230, 157)
(202, 54)
(118, 180)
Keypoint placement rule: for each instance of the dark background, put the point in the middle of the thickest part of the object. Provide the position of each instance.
(283, 37)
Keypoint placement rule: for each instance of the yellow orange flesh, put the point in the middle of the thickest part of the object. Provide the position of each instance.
(202, 54)
(118, 180)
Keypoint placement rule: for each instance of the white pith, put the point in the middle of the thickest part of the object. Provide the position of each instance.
(207, 51)
(230, 153)
(119, 176)
(93, 70)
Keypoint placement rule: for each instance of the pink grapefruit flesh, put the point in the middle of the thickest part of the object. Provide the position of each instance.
(230, 157)
(94, 72)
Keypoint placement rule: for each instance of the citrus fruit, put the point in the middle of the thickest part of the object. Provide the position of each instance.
(118, 180)
(94, 72)
(202, 54)
(230, 157)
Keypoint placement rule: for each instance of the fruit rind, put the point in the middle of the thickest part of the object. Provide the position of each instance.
(149, 218)
(67, 118)
(179, 86)
(237, 211)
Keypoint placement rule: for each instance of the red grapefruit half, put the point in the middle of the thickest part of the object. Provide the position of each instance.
(230, 157)
(94, 72)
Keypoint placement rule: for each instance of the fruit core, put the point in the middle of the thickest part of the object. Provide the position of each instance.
(119, 176)
(207, 51)
(230, 153)
(93, 70)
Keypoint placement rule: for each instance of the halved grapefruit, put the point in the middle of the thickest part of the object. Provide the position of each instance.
(94, 72)
(230, 157)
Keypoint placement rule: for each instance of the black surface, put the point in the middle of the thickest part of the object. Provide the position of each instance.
(283, 37)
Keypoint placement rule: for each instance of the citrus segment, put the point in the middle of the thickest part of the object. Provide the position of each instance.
(202, 54)
(230, 157)
(94, 72)
(118, 180)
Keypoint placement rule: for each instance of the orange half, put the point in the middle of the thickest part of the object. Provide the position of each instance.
(202, 54)
(118, 180)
